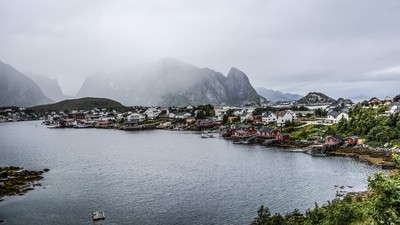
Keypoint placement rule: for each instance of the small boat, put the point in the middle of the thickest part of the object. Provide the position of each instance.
(206, 135)
(54, 126)
(81, 126)
(98, 216)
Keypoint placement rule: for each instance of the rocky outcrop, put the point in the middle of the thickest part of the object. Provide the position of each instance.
(315, 98)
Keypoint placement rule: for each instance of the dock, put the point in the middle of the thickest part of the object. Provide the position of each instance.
(98, 216)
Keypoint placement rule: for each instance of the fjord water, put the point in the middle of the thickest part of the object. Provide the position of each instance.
(162, 177)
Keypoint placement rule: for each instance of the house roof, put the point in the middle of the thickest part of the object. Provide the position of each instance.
(245, 126)
(353, 137)
(266, 129)
(335, 113)
(338, 137)
(281, 113)
(266, 114)
(241, 131)
(284, 134)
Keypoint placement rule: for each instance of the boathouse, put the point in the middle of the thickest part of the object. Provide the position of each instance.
(268, 132)
(352, 140)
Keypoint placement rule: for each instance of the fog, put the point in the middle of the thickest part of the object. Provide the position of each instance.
(339, 47)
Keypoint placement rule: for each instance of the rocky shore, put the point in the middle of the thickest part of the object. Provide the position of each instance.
(18, 181)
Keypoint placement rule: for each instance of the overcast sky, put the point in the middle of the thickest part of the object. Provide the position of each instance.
(339, 47)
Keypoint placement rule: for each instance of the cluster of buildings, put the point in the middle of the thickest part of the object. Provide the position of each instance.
(14, 114)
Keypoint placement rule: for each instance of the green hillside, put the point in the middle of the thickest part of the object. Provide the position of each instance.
(81, 104)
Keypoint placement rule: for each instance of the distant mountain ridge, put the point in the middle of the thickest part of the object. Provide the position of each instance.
(171, 82)
(49, 87)
(276, 96)
(16, 89)
(315, 98)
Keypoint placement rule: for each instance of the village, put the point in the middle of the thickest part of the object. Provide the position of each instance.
(276, 124)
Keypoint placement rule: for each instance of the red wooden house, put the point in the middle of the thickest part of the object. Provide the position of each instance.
(336, 139)
(77, 116)
(268, 132)
(283, 136)
(352, 140)
(257, 118)
(245, 131)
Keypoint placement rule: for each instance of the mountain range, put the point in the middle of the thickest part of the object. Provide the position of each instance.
(276, 96)
(16, 89)
(49, 87)
(170, 82)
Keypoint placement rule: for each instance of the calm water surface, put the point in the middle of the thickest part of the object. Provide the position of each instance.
(162, 177)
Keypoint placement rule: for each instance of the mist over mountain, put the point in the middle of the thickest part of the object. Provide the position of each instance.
(49, 87)
(276, 96)
(16, 89)
(172, 82)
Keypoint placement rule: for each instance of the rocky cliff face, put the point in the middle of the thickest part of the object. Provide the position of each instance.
(315, 98)
(16, 89)
(171, 82)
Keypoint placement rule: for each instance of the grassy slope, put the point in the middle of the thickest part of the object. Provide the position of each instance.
(82, 103)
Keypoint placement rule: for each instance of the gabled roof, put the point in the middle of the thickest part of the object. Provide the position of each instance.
(241, 131)
(266, 114)
(353, 137)
(245, 126)
(281, 113)
(335, 113)
(337, 137)
(266, 129)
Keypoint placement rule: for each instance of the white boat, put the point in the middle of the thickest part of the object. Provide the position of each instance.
(98, 216)
(205, 134)
(54, 126)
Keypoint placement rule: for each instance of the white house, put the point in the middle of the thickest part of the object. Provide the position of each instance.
(138, 117)
(269, 117)
(394, 108)
(245, 116)
(179, 115)
(284, 116)
(336, 116)
(152, 113)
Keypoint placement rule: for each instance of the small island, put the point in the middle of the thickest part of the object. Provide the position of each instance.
(18, 181)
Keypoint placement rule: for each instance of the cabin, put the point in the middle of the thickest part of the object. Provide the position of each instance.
(245, 131)
(250, 129)
(352, 140)
(374, 102)
(283, 136)
(257, 118)
(268, 132)
(77, 116)
(205, 123)
(335, 139)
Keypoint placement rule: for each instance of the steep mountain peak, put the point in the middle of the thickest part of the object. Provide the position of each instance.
(16, 89)
(236, 73)
(172, 82)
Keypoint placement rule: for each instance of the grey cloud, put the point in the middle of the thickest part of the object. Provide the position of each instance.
(286, 45)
